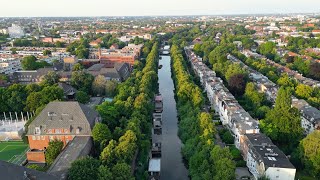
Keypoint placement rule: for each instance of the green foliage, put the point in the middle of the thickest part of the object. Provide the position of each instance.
(268, 49)
(310, 153)
(84, 168)
(31, 63)
(36, 167)
(283, 124)
(46, 52)
(99, 85)
(101, 132)
(50, 78)
(53, 150)
(110, 88)
(77, 67)
(82, 81)
(227, 138)
(82, 97)
(196, 129)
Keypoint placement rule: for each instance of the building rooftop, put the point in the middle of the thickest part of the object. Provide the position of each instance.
(80, 146)
(154, 165)
(268, 153)
(74, 116)
(10, 171)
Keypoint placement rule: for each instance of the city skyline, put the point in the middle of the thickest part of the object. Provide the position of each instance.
(60, 8)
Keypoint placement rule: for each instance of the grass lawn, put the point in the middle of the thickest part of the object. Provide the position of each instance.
(13, 151)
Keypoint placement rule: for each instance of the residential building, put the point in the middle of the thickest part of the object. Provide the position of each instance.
(266, 159)
(59, 120)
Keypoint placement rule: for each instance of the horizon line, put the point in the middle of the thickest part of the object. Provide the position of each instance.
(185, 15)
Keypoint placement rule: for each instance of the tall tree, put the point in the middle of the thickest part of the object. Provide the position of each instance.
(283, 123)
(84, 168)
(98, 85)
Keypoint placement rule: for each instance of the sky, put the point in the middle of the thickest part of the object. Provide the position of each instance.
(40, 8)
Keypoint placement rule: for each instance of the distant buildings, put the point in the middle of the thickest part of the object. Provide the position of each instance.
(127, 54)
(118, 72)
(15, 31)
(9, 65)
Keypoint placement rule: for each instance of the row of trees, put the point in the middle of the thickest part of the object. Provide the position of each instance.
(124, 134)
(19, 98)
(196, 129)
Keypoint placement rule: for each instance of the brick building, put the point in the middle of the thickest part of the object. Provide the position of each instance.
(59, 120)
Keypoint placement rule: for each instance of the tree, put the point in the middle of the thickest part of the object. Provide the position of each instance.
(122, 171)
(108, 155)
(82, 81)
(111, 87)
(105, 173)
(101, 133)
(304, 91)
(227, 138)
(283, 123)
(99, 85)
(51, 93)
(29, 63)
(310, 153)
(315, 70)
(268, 49)
(50, 78)
(13, 51)
(109, 114)
(47, 52)
(53, 150)
(237, 84)
(84, 168)
(77, 67)
(82, 97)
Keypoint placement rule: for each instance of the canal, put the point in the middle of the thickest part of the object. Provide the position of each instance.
(172, 167)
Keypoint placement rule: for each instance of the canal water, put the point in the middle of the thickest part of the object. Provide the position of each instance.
(172, 167)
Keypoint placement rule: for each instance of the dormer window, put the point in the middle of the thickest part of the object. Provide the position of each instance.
(78, 130)
(37, 130)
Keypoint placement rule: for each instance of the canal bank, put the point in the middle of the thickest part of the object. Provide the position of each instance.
(172, 166)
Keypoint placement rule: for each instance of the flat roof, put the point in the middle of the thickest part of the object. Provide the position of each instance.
(154, 165)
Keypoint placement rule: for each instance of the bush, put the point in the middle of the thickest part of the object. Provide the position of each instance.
(227, 137)
(53, 151)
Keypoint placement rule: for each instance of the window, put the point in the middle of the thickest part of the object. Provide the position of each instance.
(42, 138)
(49, 131)
(51, 138)
(38, 137)
(37, 130)
(33, 137)
(58, 131)
(66, 131)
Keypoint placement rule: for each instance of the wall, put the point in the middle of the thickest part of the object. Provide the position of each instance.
(36, 156)
(42, 142)
(275, 173)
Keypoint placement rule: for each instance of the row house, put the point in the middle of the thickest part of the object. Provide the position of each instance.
(310, 116)
(231, 113)
(243, 127)
(263, 158)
